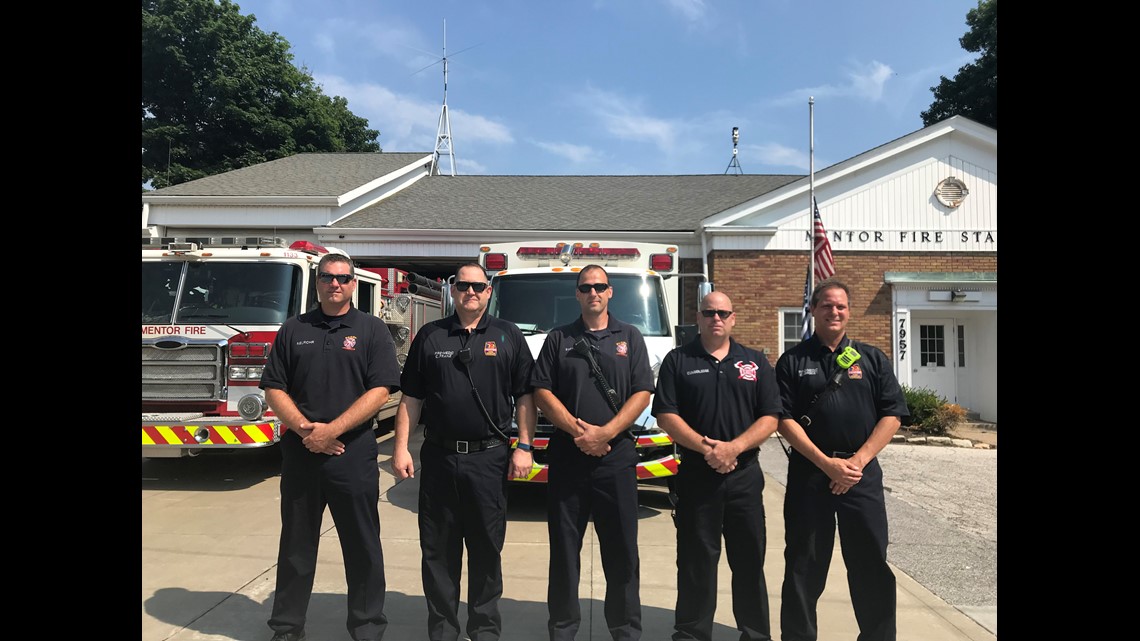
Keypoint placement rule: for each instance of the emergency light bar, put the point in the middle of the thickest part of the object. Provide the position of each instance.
(194, 243)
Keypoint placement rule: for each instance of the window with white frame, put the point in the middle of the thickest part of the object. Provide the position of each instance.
(791, 327)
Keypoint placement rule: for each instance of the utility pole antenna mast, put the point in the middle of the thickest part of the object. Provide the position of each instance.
(443, 131)
(735, 162)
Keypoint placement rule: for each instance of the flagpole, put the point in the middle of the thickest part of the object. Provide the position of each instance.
(811, 200)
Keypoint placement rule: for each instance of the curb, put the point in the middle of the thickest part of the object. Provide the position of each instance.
(943, 441)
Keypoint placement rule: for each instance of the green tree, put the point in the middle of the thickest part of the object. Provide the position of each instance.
(219, 94)
(973, 91)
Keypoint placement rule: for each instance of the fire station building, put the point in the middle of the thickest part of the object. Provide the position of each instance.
(912, 226)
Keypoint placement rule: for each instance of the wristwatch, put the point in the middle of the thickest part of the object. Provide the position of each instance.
(526, 447)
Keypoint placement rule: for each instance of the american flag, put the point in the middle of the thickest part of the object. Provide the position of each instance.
(824, 266)
(821, 249)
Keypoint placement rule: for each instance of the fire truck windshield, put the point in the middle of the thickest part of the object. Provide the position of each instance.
(541, 302)
(177, 292)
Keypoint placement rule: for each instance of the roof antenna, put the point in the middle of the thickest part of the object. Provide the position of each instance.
(735, 162)
(443, 132)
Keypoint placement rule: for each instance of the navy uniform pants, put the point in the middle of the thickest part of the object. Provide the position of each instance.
(711, 505)
(811, 512)
(349, 485)
(463, 500)
(578, 487)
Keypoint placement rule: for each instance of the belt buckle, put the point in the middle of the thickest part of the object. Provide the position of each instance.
(463, 447)
(805, 421)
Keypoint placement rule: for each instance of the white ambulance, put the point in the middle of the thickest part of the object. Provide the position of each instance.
(211, 308)
(533, 286)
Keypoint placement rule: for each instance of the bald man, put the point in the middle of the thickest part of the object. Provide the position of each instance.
(719, 401)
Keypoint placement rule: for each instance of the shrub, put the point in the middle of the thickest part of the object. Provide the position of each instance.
(922, 403)
(946, 418)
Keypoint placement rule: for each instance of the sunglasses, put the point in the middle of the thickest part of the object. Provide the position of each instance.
(326, 277)
(597, 287)
(463, 286)
(723, 313)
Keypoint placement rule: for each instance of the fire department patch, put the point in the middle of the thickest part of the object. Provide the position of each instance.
(854, 373)
(622, 348)
(747, 370)
(349, 343)
(490, 349)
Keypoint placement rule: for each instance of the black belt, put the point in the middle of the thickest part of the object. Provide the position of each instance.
(463, 447)
(842, 454)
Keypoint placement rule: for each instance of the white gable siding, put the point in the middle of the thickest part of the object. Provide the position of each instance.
(888, 204)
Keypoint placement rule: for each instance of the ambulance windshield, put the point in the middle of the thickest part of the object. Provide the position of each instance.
(176, 292)
(541, 302)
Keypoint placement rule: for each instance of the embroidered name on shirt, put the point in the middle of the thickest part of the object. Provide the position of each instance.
(808, 372)
(305, 342)
(447, 354)
(747, 370)
(349, 343)
(697, 371)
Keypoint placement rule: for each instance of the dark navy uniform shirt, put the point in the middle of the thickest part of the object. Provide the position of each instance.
(718, 399)
(621, 353)
(325, 363)
(500, 365)
(844, 418)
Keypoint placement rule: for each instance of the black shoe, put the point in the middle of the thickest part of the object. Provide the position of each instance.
(289, 636)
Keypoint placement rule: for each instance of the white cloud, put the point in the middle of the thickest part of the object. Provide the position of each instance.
(691, 10)
(864, 82)
(578, 154)
(778, 155)
(411, 124)
(625, 119)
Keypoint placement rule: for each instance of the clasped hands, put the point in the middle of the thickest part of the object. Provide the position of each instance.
(844, 474)
(592, 440)
(319, 439)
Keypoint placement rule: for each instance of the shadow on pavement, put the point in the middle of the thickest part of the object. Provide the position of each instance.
(220, 471)
(240, 618)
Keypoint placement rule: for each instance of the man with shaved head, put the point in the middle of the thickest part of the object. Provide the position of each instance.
(719, 401)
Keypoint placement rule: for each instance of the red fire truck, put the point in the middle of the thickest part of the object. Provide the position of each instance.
(211, 308)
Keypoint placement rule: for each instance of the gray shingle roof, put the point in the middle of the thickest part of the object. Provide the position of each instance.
(310, 174)
(603, 203)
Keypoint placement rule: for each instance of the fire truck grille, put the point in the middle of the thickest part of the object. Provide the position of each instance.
(181, 392)
(192, 373)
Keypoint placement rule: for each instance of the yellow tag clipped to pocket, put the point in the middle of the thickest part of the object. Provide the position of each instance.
(847, 357)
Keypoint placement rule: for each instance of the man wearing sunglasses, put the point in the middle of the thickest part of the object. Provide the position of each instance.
(328, 374)
(592, 455)
(463, 373)
(719, 401)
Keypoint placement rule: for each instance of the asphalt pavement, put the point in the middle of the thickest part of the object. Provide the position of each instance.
(210, 529)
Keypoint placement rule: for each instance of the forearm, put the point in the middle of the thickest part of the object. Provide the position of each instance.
(881, 435)
(556, 412)
(286, 410)
(526, 417)
(407, 417)
(681, 432)
(629, 412)
(756, 433)
(363, 409)
(798, 439)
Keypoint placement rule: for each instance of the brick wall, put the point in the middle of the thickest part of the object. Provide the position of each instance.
(761, 282)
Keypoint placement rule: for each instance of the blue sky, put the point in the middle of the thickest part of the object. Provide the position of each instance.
(628, 87)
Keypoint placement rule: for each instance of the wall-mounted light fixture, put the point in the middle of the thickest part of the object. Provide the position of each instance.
(957, 295)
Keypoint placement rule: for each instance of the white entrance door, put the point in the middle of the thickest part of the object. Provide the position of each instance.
(934, 358)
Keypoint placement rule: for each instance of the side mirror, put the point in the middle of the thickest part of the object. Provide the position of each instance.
(447, 302)
(685, 333)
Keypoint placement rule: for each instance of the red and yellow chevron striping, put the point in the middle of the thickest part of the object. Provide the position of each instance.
(254, 435)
